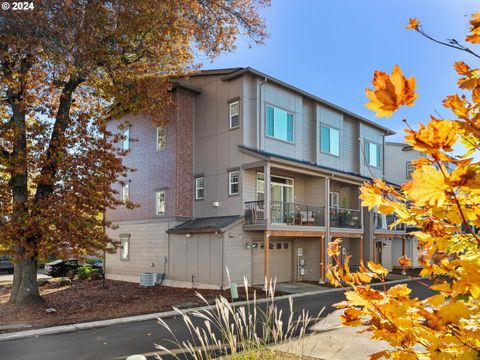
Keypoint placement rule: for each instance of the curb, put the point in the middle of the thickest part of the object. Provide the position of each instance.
(162, 315)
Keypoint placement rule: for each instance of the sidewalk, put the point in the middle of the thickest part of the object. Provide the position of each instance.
(6, 278)
(331, 341)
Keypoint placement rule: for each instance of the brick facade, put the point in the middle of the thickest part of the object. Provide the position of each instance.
(185, 115)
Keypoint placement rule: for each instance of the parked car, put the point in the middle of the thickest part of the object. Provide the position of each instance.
(59, 268)
(5, 264)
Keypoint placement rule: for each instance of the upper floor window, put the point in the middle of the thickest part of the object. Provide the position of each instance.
(372, 152)
(234, 114)
(160, 202)
(125, 192)
(233, 181)
(126, 139)
(124, 247)
(199, 188)
(161, 137)
(330, 141)
(279, 124)
(410, 169)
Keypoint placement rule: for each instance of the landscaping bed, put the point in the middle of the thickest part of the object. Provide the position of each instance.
(83, 301)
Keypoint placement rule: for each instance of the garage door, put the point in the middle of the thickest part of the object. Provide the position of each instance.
(280, 261)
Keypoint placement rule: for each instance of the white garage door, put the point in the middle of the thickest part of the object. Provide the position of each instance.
(280, 261)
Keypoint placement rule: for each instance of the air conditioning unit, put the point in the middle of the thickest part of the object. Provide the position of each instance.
(148, 279)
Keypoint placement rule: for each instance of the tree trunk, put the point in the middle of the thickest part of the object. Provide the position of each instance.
(25, 289)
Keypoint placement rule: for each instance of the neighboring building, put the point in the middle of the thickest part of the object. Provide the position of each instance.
(251, 175)
(398, 171)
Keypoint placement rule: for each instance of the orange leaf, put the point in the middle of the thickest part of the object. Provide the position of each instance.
(377, 268)
(390, 92)
(413, 23)
(474, 36)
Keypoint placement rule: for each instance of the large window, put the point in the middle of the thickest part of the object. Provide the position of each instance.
(126, 139)
(234, 114)
(372, 152)
(233, 180)
(330, 141)
(410, 169)
(160, 202)
(161, 137)
(199, 188)
(279, 124)
(125, 192)
(124, 247)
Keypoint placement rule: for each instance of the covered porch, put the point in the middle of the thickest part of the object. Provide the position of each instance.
(300, 256)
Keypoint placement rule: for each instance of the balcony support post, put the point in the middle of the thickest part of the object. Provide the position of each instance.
(266, 261)
(326, 240)
(267, 194)
(322, 259)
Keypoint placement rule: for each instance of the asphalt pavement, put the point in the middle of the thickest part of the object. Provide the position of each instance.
(120, 341)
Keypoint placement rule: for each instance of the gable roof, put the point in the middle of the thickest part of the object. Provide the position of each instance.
(206, 225)
(232, 73)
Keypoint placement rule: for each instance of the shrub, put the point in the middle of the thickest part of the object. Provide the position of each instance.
(238, 331)
(84, 272)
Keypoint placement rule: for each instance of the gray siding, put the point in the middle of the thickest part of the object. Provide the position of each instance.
(396, 169)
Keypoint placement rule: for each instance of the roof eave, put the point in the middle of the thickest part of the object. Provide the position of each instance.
(257, 73)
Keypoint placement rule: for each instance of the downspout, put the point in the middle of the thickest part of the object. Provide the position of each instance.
(222, 287)
(260, 119)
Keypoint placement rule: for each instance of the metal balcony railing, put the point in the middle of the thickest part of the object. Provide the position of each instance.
(345, 218)
(381, 224)
(285, 213)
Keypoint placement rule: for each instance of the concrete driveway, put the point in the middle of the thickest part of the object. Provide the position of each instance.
(6, 278)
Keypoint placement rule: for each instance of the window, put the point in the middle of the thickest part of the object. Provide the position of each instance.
(372, 152)
(279, 245)
(160, 202)
(126, 139)
(279, 124)
(334, 199)
(233, 182)
(285, 245)
(410, 169)
(199, 188)
(330, 141)
(234, 114)
(161, 137)
(126, 192)
(124, 247)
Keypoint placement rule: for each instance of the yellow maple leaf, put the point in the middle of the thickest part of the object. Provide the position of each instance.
(457, 105)
(437, 135)
(428, 187)
(371, 196)
(453, 312)
(390, 92)
(413, 23)
(377, 268)
(474, 36)
(404, 261)
(334, 247)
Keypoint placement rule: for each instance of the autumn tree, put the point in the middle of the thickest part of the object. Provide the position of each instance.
(443, 202)
(66, 68)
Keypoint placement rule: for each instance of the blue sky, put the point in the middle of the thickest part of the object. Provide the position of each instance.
(331, 49)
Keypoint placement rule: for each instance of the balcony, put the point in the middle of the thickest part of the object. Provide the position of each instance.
(383, 222)
(345, 218)
(285, 213)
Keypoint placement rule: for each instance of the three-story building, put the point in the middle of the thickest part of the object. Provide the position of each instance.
(251, 175)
